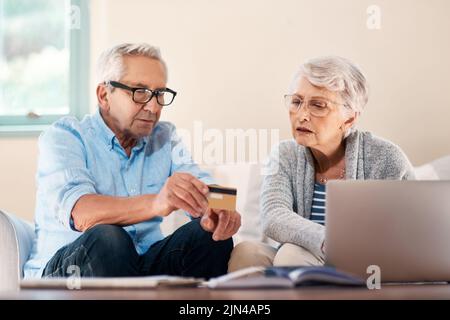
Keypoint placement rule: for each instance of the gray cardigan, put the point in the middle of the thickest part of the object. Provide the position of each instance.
(286, 195)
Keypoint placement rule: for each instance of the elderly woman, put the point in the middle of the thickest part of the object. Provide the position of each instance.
(326, 98)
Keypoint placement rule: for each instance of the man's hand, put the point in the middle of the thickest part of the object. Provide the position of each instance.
(182, 191)
(222, 223)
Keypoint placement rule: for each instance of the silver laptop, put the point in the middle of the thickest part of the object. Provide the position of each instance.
(403, 227)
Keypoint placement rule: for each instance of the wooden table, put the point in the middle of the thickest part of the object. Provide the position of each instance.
(428, 291)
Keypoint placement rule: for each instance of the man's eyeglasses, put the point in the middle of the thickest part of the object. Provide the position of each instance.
(164, 97)
(317, 107)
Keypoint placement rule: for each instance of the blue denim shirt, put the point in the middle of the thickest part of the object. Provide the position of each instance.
(84, 157)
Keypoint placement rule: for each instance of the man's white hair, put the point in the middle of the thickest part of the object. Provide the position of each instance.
(339, 75)
(110, 65)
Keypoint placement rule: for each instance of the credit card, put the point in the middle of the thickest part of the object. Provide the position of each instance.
(220, 197)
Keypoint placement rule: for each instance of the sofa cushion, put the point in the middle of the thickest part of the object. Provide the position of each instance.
(426, 172)
(438, 169)
(442, 167)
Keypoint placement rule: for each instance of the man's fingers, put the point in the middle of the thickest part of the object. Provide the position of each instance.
(211, 219)
(224, 219)
(199, 185)
(233, 225)
(180, 203)
(237, 224)
(199, 198)
(187, 197)
(195, 187)
(207, 223)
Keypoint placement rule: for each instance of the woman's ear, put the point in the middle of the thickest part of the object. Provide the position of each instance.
(350, 121)
(102, 97)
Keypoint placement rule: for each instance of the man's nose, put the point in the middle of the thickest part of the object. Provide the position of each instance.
(152, 106)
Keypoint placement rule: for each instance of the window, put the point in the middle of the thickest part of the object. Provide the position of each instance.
(43, 62)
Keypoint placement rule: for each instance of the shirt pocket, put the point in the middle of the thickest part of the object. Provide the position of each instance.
(154, 180)
(153, 187)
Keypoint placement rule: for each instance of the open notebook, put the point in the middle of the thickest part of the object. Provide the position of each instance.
(283, 277)
(106, 283)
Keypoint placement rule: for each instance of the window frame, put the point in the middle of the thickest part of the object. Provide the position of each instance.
(78, 82)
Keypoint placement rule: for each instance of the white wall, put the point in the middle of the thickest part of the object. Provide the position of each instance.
(231, 62)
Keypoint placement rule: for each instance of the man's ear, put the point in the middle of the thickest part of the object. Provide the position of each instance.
(102, 97)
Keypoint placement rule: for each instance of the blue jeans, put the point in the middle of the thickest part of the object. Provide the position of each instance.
(108, 251)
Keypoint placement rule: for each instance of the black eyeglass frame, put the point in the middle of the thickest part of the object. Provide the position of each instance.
(154, 93)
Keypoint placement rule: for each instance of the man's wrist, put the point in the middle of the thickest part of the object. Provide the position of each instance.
(151, 205)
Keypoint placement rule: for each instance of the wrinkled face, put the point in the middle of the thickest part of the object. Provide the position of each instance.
(124, 115)
(317, 131)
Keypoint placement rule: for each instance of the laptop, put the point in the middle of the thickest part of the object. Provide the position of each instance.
(403, 227)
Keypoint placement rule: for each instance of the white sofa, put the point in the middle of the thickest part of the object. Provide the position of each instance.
(16, 240)
(16, 235)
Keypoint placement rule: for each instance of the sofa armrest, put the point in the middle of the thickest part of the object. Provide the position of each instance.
(16, 240)
(9, 255)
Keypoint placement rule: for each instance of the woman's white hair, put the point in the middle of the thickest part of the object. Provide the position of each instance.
(110, 65)
(339, 75)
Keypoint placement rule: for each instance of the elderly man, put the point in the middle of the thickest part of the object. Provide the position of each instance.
(106, 182)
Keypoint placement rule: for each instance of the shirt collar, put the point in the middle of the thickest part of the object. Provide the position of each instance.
(108, 136)
(104, 132)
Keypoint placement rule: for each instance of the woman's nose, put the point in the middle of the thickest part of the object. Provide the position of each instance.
(303, 113)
